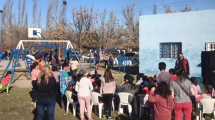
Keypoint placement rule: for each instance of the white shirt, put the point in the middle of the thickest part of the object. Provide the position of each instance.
(84, 87)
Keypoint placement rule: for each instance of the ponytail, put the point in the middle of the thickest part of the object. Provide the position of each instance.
(34, 65)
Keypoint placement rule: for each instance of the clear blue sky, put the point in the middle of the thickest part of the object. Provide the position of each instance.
(116, 6)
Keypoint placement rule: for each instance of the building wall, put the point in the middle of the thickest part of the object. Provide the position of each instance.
(193, 29)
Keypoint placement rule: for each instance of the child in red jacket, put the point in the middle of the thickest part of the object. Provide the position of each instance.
(4, 82)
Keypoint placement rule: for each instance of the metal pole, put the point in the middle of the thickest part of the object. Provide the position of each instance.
(124, 60)
(30, 54)
(14, 66)
(119, 62)
(1, 31)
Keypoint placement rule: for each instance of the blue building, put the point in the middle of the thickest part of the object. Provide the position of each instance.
(162, 36)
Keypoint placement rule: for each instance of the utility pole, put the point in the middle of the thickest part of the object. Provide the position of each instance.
(1, 12)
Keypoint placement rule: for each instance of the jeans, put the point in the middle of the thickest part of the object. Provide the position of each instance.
(107, 101)
(82, 100)
(106, 63)
(74, 72)
(49, 104)
(34, 95)
(186, 108)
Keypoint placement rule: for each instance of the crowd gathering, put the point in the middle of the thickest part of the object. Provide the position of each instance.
(170, 94)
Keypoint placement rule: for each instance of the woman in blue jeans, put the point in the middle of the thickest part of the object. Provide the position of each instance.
(46, 89)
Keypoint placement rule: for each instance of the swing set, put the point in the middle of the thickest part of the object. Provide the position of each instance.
(119, 61)
(20, 48)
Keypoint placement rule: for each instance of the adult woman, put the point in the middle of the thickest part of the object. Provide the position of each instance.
(128, 86)
(84, 87)
(46, 90)
(163, 102)
(55, 62)
(180, 89)
(34, 75)
(74, 64)
(108, 87)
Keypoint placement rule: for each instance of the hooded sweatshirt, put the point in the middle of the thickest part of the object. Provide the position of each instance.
(163, 107)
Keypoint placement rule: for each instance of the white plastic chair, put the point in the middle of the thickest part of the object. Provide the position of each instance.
(143, 102)
(95, 101)
(207, 107)
(123, 96)
(70, 101)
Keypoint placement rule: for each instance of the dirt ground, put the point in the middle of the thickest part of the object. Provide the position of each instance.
(22, 80)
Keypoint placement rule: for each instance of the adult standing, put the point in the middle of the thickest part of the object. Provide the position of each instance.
(84, 87)
(46, 91)
(108, 87)
(180, 89)
(106, 58)
(111, 61)
(55, 62)
(74, 64)
(97, 58)
(183, 63)
(34, 75)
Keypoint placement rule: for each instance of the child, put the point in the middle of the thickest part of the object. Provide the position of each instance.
(145, 89)
(34, 75)
(64, 83)
(163, 101)
(93, 78)
(172, 73)
(56, 74)
(4, 82)
(96, 67)
(150, 104)
(140, 81)
(207, 90)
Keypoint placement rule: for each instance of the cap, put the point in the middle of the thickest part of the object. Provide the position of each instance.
(38, 56)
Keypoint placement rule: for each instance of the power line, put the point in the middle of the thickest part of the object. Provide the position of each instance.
(141, 8)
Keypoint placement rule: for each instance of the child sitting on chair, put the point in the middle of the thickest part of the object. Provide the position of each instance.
(4, 82)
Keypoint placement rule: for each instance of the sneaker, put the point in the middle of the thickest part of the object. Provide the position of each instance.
(104, 117)
(110, 118)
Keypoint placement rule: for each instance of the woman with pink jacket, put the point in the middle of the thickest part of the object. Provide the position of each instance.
(108, 87)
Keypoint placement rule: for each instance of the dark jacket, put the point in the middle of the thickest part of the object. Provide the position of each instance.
(185, 66)
(46, 91)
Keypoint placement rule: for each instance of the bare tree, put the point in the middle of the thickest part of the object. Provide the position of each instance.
(186, 9)
(131, 24)
(39, 18)
(167, 9)
(23, 12)
(155, 9)
(34, 13)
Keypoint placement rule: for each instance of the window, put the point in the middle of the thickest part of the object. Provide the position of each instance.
(170, 50)
(210, 46)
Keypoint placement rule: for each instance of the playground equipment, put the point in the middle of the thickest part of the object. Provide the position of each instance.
(20, 48)
(115, 61)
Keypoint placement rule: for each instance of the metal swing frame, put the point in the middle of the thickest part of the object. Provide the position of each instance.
(113, 50)
(20, 47)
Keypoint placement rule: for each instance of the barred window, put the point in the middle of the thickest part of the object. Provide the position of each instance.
(170, 50)
(210, 46)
